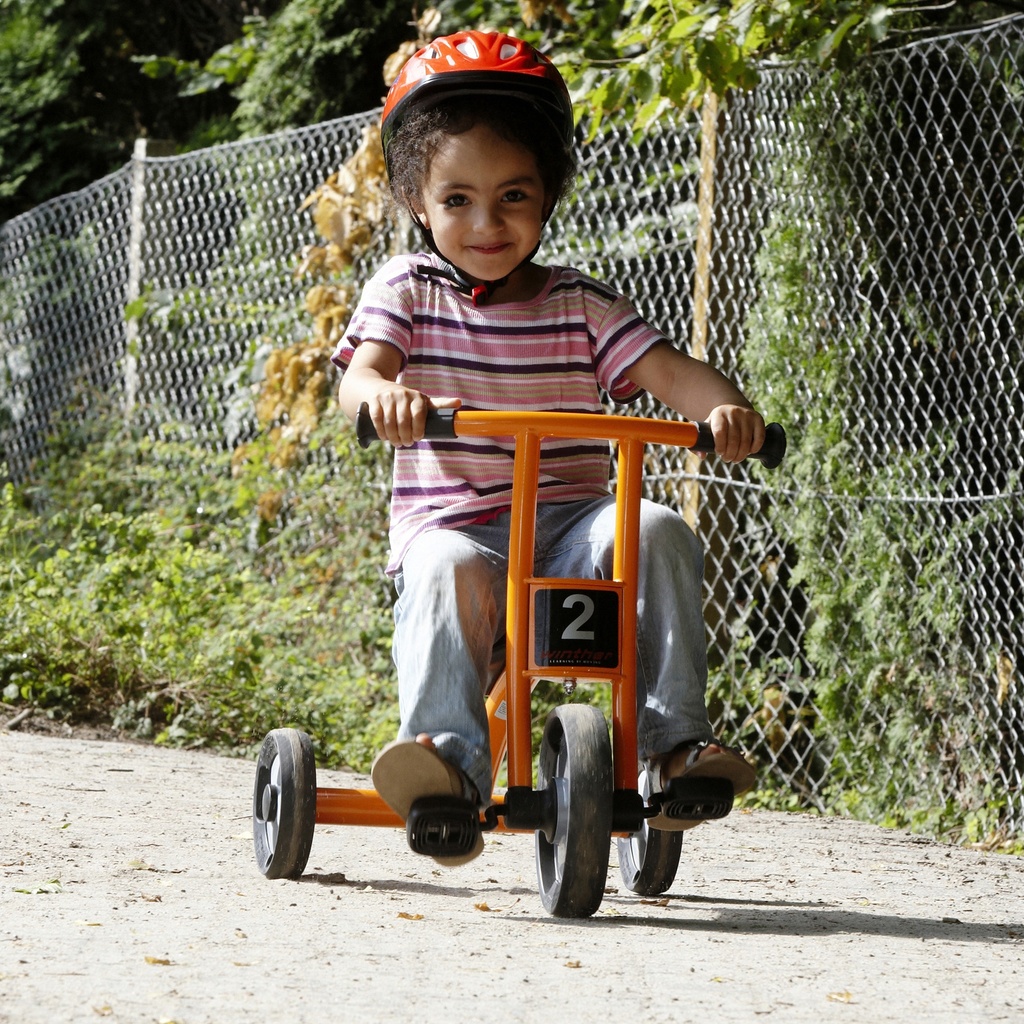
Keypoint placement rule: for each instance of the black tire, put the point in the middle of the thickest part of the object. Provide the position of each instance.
(648, 860)
(284, 803)
(576, 764)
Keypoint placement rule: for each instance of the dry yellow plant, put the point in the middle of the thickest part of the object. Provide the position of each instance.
(533, 10)
(349, 211)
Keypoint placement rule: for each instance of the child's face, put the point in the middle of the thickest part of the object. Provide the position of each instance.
(484, 202)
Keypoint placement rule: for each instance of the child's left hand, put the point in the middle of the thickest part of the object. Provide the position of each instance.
(738, 431)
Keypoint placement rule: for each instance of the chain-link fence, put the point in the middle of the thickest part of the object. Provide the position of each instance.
(850, 247)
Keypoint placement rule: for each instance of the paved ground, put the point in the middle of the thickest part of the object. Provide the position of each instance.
(129, 893)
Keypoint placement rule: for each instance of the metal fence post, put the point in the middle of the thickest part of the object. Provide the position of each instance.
(143, 148)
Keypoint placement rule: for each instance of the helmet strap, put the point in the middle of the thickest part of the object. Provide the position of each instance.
(457, 278)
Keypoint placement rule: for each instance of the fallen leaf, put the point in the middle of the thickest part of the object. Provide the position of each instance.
(137, 864)
(482, 906)
(90, 924)
(573, 964)
(656, 903)
(158, 961)
(102, 1011)
(840, 997)
(46, 889)
(239, 934)
(410, 917)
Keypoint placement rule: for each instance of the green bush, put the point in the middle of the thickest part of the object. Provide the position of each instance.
(890, 546)
(157, 588)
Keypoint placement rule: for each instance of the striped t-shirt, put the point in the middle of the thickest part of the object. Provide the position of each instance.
(555, 352)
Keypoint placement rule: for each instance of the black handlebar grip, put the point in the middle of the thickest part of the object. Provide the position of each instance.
(440, 423)
(773, 451)
(770, 454)
(366, 432)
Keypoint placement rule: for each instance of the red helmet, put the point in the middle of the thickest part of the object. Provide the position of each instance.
(478, 64)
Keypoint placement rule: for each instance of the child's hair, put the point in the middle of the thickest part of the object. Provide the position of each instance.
(419, 137)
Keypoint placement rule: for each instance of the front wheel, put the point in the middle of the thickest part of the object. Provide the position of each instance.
(284, 803)
(575, 765)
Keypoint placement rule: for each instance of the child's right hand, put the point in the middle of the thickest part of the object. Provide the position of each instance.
(399, 414)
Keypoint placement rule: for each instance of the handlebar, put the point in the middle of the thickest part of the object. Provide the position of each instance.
(449, 423)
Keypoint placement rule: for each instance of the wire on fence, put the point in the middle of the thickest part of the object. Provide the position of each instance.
(864, 279)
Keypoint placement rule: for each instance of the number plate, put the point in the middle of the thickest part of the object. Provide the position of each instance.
(576, 626)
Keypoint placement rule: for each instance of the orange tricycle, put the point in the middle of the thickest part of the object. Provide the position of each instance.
(585, 790)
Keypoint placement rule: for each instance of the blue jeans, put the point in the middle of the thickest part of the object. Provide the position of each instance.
(450, 616)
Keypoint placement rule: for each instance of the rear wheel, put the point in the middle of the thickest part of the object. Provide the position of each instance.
(649, 858)
(284, 803)
(575, 764)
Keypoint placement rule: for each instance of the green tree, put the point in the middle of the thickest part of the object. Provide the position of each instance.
(311, 61)
(72, 99)
(81, 79)
(641, 56)
(322, 59)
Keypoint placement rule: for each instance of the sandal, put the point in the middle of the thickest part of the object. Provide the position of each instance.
(728, 766)
(405, 771)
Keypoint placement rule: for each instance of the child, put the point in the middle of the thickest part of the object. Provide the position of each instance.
(478, 139)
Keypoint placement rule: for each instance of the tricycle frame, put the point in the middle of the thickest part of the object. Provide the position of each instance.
(509, 701)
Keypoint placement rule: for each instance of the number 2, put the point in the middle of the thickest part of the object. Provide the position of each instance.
(573, 630)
